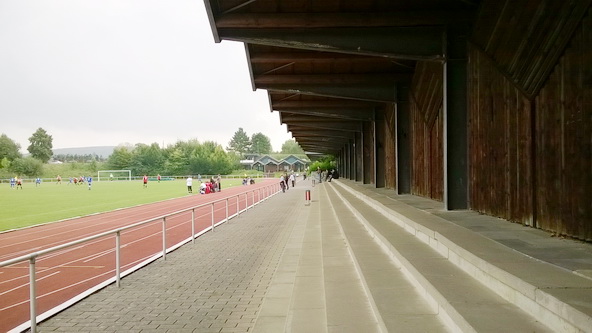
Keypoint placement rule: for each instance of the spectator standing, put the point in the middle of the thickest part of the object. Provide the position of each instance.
(189, 184)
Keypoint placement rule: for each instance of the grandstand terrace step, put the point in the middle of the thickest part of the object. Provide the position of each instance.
(460, 298)
(397, 302)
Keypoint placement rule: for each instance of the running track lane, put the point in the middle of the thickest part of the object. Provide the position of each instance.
(67, 273)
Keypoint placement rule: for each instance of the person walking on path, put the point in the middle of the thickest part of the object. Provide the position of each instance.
(145, 180)
(283, 183)
(189, 184)
(293, 179)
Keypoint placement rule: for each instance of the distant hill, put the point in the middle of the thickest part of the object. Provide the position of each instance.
(102, 151)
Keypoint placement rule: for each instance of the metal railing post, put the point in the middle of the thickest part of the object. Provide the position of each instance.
(212, 216)
(164, 238)
(33, 295)
(193, 225)
(118, 259)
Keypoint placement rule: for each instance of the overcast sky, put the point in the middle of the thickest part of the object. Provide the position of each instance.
(106, 72)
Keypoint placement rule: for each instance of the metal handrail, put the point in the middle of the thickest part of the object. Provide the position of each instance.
(31, 257)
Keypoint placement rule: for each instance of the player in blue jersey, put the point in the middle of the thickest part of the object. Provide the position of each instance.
(89, 182)
(12, 182)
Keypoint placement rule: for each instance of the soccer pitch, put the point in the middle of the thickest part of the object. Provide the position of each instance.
(52, 202)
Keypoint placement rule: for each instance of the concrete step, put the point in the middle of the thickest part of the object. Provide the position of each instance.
(400, 306)
(463, 302)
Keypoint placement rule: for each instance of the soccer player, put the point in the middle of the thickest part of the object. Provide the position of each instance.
(89, 181)
(37, 181)
(145, 180)
(19, 183)
(59, 180)
(12, 182)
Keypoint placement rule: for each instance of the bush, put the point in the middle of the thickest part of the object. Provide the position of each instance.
(27, 166)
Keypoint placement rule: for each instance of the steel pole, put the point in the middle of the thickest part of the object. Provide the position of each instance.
(33, 295)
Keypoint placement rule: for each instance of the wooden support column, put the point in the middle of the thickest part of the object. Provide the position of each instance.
(379, 151)
(403, 129)
(455, 122)
(359, 157)
(348, 161)
(369, 158)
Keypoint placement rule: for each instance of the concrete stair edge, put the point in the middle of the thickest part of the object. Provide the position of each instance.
(453, 319)
(550, 310)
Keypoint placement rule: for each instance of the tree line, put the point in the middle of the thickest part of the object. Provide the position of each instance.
(259, 144)
(182, 158)
(40, 147)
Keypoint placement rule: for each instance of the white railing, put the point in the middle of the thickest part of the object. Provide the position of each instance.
(263, 193)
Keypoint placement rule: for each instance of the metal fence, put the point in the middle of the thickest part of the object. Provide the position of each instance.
(254, 196)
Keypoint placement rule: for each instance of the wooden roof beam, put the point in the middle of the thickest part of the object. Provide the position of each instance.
(340, 113)
(343, 126)
(414, 43)
(360, 19)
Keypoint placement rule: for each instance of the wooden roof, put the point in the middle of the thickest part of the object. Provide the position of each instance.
(329, 65)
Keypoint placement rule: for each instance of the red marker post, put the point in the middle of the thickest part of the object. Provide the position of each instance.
(307, 197)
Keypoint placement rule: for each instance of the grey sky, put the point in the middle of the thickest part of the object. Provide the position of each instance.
(105, 72)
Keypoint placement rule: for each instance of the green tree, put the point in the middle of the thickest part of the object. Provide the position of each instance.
(27, 166)
(121, 158)
(4, 163)
(8, 148)
(41, 144)
(325, 163)
(176, 163)
(240, 142)
(147, 160)
(260, 144)
(291, 147)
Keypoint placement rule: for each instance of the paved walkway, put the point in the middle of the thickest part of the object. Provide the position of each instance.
(215, 285)
(286, 266)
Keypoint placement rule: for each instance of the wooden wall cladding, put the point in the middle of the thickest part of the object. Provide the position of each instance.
(500, 150)
(564, 142)
(390, 144)
(527, 37)
(427, 128)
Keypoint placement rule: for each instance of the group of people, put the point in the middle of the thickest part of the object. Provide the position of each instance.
(16, 182)
(285, 181)
(248, 181)
(214, 185)
(319, 175)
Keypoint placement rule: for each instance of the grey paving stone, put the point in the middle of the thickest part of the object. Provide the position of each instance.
(215, 285)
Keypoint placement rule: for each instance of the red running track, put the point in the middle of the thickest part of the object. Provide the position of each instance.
(67, 273)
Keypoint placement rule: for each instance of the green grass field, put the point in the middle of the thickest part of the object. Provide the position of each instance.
(50, 202)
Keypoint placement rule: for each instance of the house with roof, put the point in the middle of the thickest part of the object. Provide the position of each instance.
(280, 163)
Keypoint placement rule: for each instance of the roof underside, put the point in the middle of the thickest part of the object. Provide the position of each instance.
(329, 65)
